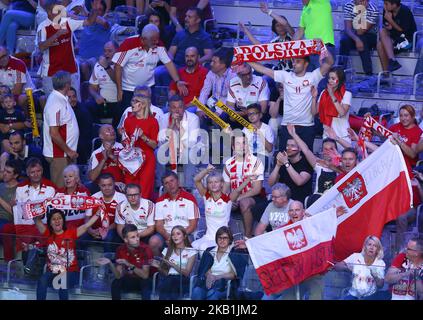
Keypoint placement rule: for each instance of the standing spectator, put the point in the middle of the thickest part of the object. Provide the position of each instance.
(405, 274)
(396, 34)
(175, 207)
(156, 18)
(193, 74)
(85, 125)
(135, 62)
(276, 212)
(368, 271)
(61, 252)
(349, 161)
(103, 87)
(360, 31)
(235, 172)
(8, 192)
(142, 119)
(298, 95)
(246, 89)
(179, 8)
(178, 261)
(293, 169)
(21, 13)
(334, 105)
(104, 159)
(55, 41)
(60, 128)
(162, 7)
(179, 129)
(132, 272)
(105, 228)
(137, 211)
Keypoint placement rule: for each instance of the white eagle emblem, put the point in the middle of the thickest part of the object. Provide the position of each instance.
(354, 189)
(296, 238)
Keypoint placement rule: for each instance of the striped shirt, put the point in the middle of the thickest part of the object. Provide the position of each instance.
(354, 13)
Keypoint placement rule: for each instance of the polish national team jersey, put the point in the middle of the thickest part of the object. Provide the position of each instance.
(142, 217)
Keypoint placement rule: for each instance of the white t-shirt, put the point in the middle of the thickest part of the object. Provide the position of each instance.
(222, 266)
(297, 96)
(265, 132)
(217, 212)
(138, 65)
(101, 78)
(363, 283)
(257, 91)
(180, 260)
(59, 113)
(234, 171)
(156, 111)
(142, 217)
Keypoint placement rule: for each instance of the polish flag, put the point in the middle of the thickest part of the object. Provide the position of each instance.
(377, 191)
(296, 251)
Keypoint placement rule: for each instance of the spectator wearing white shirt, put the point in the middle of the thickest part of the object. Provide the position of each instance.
(298, 86)
(103, 87)
(60, 128)
(135, 61)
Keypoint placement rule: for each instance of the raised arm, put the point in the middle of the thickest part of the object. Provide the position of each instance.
(262, 69)
(265, 9)
(84, 228)
(200, 176)
(311, 158)
(248, 33)
(39, 224)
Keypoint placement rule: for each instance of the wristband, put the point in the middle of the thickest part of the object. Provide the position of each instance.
(270, 12)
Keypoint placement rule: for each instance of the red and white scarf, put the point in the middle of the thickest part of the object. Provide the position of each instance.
(366, 134)
(130, 158)
(278, 51)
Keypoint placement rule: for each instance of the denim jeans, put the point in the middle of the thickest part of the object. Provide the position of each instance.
(170, 286)
(199, 293)
(11, 21)
(46, 281)
(369, 40)
(127, 283)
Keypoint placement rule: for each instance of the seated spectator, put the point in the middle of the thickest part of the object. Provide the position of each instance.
(156, 18)
(326, 168)
(175, 207)
(193, 74)
(219, 264)
(299, 104)
(161, 7)
(260, 142)
(56, 44)
(235, 172)
(334, 105)
(134, 68)
(91, 41)
(178, 261)
(11, 119)
(349, 160)
(293, 169)
(137, 211)
(405, 274)
(132, 270)
(179, 8)
(179, 129)
(361, 20)
(217, 205)
(104, 159)
(276, 213)
(396, 34)
(21, 152)
(76, 8)
(143, 120)
(61, 252)
(8, 192)
(103, 87)
(246, 89)
(21, 13)
(105, 229)
(368, 270)
(73, 186)
(85, 124)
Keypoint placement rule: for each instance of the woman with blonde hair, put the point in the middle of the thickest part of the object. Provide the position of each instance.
(368, 271)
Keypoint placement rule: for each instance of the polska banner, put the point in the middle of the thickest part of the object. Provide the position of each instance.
(289, 255)
(377, 191)
(278, 51)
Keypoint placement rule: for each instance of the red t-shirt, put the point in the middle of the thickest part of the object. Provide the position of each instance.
(194, 82)
(409, 136)
(138, 256)
(110, 209)
(61, 251)
(111, 166)
(149, 126)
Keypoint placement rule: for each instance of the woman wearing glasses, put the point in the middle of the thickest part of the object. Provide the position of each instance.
(218, 265)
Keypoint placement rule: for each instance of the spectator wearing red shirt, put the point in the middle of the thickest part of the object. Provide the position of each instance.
(61, 252)
(143, 119)
(193, 74)
(132, 272)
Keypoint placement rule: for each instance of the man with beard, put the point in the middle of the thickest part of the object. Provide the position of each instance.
(193, 74)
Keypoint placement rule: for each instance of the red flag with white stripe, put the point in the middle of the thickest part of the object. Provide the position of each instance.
(291, 254)
(377, 191)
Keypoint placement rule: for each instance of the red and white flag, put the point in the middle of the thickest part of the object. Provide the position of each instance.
(291, 254)
(377, 191)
